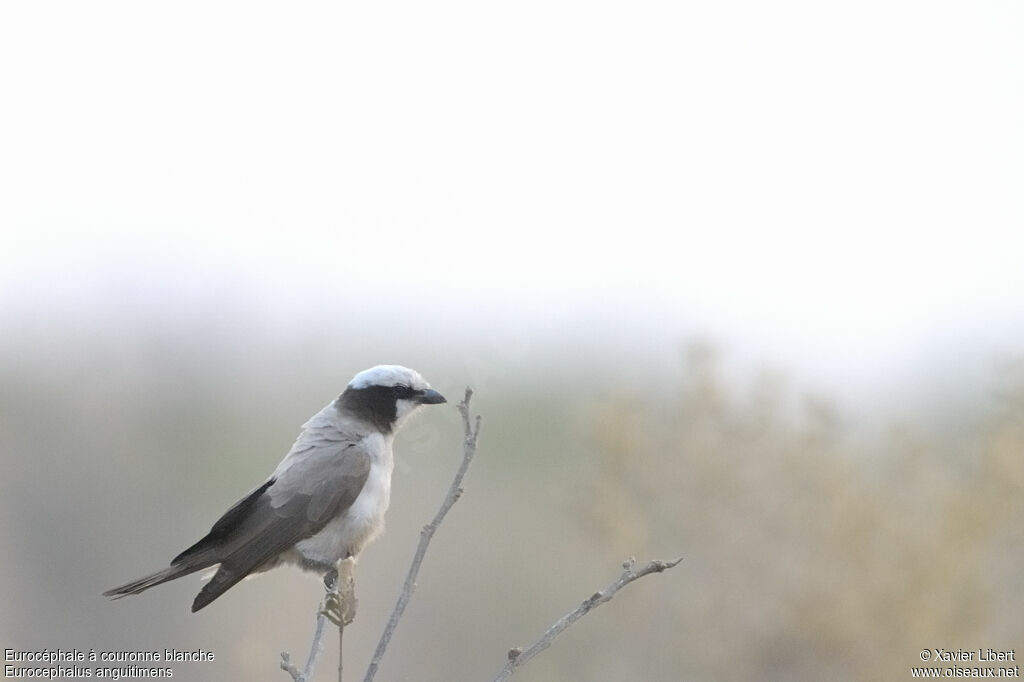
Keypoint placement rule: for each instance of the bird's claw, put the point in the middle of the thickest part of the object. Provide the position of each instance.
(332, 609)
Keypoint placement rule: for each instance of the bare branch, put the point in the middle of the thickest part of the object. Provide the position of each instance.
(339, 607)
(315, 648)
(472, 432)
(518, 657)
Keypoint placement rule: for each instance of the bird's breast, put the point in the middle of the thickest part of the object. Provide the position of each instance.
(346, 534)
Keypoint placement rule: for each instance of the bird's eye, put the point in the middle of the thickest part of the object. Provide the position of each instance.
(401, 391)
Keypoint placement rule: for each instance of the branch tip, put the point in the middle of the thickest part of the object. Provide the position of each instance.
(286, 665)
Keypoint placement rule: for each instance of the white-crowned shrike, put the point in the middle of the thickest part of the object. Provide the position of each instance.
(326, 499)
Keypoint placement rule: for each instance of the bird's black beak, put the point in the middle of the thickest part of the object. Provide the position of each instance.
(430, 397)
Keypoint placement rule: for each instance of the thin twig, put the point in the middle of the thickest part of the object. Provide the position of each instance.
(469, 449)
(341, 649)
(517, 657)
(317, 646)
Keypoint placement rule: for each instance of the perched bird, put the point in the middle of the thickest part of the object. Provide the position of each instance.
(324, 502)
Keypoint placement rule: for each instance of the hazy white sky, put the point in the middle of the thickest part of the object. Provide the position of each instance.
(814, 172)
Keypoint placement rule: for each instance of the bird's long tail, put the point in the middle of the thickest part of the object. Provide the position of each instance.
(142, 584)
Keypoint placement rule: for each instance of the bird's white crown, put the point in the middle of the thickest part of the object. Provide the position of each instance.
(389, 375)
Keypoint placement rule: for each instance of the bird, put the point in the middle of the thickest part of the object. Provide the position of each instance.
(323, 503)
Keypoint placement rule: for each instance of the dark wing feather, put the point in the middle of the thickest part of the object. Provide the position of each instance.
(297, 504)
(203, 554)
(225, 525)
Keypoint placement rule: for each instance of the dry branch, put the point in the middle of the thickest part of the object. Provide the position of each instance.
(472, 431)
(517, 657)
(322, 615)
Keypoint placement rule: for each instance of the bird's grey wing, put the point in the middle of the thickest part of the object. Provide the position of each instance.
(317, 486)
(303, 498)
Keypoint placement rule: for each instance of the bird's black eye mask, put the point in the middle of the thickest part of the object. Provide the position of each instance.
(375, 404)
(401, 392)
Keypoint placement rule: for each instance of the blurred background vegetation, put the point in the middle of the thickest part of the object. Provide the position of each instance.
(815, 543)
(734, 281)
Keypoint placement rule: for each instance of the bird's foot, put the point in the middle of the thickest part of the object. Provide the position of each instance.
(332, 603)
(332, 609)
